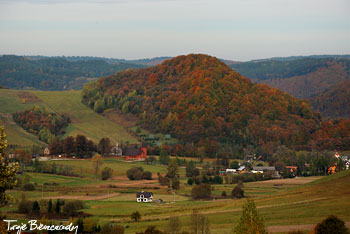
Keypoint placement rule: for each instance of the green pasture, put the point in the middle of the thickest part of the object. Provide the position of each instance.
(281, 202)
(84, 120)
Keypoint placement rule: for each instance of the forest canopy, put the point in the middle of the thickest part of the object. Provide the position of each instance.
(200, 100)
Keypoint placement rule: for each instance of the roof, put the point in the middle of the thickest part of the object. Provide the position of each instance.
(145, 194)
(264, 168)
(135, 150)
(132, 151)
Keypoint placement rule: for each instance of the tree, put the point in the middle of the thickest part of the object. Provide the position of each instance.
(250, 221)
(58, 206)
(49, 207)
(202, 191)
(37, 165)
(174, 225)
(163, 156)
(136, 216)
(234, 165)
(173, 175)
(89, 225)
(7, 171)
(68, 145)
(81, 146)
(151, 230)
(332, 224)
(135, 173)
(96, 163)
(36, 208)
(199, 223)
(106, 173)
(147, 175)
(237, 192)
(104, 146)
(117, 229)
(191, 169)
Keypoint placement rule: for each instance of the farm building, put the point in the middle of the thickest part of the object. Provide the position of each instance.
(46, 151)
(136, 153)
(144, 196)
(116, 150)
(292, 169)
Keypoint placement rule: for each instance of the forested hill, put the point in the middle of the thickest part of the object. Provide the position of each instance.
(45, 73)
(302, 77)
(197, 98)
(334, 102)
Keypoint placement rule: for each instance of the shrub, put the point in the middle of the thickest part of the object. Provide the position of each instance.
(190, 181)
(134, 173)
(201, 191)
(29, 187)
(151, 230)
(147, 175)
(138, 175)
(25, 207)
(237, 192)
(71, 207)
(89, 225)
(218, 180)
(36, 208)
(163, 181)
(223, 194)
(106, 173)
(332, 224)
(136, 216)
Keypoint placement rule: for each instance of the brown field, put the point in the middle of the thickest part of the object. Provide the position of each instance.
(27, 97)
(116, 116)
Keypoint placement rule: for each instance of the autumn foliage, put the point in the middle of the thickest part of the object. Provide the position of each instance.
(39, 121)
(197, 98)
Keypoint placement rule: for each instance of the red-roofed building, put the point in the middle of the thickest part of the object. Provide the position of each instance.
(136, 153)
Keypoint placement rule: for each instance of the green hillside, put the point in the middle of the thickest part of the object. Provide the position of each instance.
(83, 120)
(54, 73)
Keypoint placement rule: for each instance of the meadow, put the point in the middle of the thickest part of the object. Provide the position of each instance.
(83, 120)
(285, 203)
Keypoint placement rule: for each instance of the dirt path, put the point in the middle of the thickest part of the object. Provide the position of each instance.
(85, 198)
(289, 228)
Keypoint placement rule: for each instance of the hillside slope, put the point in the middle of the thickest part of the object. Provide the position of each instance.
(334, 102)
(199, 99)
(84, 120)
(301, 77)
(46, 73)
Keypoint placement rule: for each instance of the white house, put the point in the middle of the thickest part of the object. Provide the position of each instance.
(230, 171)
(144, 196)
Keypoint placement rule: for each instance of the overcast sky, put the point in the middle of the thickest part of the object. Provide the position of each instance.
(130, 29)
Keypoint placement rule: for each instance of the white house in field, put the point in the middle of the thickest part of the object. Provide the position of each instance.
(144, 196)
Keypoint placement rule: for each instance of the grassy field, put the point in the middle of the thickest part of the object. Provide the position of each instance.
(294, 202)
(84, 120)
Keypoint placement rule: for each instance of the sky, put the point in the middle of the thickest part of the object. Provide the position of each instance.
(239, 30)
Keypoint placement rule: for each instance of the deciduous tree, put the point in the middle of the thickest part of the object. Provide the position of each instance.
(250, 221)
(7, 170)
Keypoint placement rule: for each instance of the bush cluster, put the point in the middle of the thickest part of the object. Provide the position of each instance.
(137, 173)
